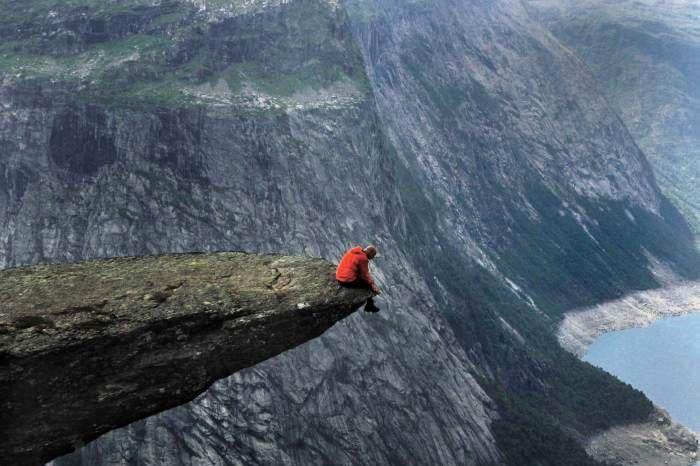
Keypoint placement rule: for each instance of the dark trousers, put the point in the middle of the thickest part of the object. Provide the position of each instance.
(363, 285)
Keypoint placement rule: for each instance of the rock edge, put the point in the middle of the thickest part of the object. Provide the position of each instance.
(89, 347)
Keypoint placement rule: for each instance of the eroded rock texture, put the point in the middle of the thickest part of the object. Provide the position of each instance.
(86, 348)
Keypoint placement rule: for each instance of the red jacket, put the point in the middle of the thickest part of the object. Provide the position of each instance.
(354, 266)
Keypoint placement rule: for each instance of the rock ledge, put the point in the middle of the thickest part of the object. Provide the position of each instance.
(86, 348)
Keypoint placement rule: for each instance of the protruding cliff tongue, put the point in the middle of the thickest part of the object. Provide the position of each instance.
(86, 348)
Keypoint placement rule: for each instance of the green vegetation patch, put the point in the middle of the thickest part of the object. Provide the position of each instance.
(136, 53)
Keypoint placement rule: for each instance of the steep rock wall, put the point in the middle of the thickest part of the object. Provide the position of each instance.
(646, 57)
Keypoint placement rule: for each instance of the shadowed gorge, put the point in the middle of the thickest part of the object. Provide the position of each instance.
(85, 348)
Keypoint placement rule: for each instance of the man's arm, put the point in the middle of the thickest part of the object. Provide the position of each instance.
(366, 277)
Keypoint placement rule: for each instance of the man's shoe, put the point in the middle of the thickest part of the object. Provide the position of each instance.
(370, 307)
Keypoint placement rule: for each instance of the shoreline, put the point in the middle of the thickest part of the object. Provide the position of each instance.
(659, 441)
(581, 327)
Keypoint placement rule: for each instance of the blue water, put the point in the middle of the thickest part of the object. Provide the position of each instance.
(662, 360)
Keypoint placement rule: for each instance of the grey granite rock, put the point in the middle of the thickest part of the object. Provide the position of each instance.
(86, 348)
(646, 57)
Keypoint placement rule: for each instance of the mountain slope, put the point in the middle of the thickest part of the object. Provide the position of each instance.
(646, 55)
(459, 136)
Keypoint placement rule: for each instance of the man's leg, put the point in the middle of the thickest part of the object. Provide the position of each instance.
(369, 305)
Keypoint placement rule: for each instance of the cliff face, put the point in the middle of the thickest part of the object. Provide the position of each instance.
(87, 348)
(459, 136)
(531, 171)
(240, 173)
(646, 55)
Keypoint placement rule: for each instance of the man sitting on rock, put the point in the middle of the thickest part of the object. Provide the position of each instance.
(353, 272)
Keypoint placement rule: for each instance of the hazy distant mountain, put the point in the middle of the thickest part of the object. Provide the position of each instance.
(646, 55)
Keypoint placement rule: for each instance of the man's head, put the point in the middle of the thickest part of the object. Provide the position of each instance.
(371, 251)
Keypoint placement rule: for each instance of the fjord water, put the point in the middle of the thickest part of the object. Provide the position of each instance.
(662, 360)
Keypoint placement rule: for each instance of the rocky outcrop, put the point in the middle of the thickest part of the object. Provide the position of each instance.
(86, 348)
(659, 441)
